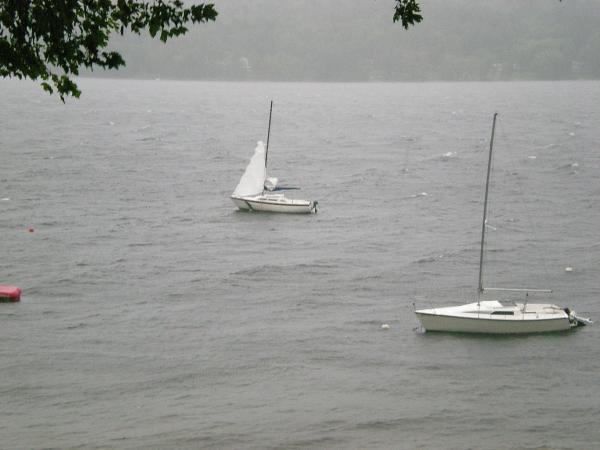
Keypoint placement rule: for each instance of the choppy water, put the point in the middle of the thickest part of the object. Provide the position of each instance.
(156, 316)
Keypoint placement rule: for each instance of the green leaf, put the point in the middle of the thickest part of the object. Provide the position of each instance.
(407, 11)
(47, 87)
(153, 29)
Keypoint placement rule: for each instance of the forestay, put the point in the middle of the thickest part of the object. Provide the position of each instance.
(252, 182)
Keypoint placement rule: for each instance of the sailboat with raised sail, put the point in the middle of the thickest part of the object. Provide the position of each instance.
(257, 192)
(499, 317)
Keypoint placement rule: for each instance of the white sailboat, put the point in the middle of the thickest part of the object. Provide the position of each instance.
(255, 191)
(497, 317)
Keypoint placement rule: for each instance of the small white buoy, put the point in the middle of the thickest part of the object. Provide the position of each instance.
(385, 326)
(568, 269)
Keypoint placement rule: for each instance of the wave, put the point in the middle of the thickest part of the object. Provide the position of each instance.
(304, 268)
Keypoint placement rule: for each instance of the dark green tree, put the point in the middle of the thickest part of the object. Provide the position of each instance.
(52, 40)
(407, 12)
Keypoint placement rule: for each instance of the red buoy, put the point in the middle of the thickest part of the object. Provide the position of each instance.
(9, 294)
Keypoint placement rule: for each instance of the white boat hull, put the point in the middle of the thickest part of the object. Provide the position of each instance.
(492, 317)
(275, 203)
(432, 322)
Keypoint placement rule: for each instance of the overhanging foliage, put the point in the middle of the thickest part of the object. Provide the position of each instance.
(52, 40)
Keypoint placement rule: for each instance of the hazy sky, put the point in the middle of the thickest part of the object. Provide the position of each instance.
(357, 41)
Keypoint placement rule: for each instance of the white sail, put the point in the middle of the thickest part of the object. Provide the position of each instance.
(253, 181)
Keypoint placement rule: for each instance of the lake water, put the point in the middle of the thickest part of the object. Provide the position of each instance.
(155, 315)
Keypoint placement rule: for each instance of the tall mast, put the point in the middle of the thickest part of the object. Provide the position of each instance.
(268, 135)
(485, 202)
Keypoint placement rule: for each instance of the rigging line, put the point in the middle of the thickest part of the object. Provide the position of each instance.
(268, 136)
(267, 149)
(483, 222)
(491, 241)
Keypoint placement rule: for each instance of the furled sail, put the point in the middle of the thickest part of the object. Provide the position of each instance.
(271, 183)
(253, 180)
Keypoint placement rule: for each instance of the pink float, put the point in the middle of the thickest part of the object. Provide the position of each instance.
(9, 293)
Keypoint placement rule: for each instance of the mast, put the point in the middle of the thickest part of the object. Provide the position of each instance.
(485, 202)
(268, 135)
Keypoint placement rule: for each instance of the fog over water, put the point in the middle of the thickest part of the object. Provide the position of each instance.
(325, 40)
